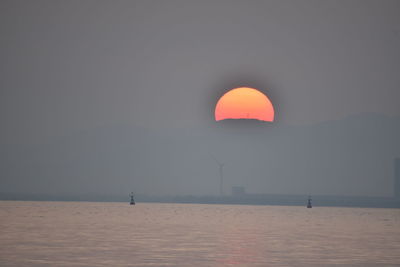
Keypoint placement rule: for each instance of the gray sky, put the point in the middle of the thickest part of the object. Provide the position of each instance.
(73, 67)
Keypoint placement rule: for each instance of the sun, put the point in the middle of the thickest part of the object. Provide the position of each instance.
(244, 103)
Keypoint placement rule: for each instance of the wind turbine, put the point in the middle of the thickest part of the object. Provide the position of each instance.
(221, 175)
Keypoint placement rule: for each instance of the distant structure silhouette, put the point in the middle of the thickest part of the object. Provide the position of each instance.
(132, 200)
(309, 205)
(397, 177)
(221, 176)
(238, 191)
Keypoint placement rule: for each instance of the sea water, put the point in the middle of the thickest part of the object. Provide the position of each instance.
(153, 234)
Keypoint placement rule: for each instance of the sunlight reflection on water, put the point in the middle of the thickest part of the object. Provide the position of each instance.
(117, 234)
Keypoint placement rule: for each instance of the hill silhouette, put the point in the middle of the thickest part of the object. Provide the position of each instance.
(353, 156)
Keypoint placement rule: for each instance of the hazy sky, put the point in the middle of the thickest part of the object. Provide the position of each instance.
(106, 96)
(72, 65)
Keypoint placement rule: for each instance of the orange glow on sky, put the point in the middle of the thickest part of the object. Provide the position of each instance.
(244, 103)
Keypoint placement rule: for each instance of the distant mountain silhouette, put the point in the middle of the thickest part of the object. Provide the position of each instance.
(244, 122)
(352, 156)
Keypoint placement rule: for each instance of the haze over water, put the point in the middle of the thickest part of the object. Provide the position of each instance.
(116, 234)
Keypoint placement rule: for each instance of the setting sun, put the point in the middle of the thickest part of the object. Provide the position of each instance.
(244, 103)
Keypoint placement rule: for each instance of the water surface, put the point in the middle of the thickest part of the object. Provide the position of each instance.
(149, 234)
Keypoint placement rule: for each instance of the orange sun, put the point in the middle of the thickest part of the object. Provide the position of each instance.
(244, 103)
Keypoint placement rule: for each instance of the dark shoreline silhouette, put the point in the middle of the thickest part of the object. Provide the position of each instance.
(247, 199)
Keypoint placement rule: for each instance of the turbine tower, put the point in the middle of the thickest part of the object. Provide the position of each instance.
(221, 176)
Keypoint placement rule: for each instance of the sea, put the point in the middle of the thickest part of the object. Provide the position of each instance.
(162, 234)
